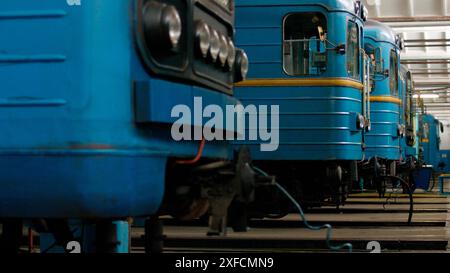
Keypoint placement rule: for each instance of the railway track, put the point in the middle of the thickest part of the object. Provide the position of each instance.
(365, 218)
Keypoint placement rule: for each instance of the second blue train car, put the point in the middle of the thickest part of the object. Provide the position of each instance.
(306, 58)
(383, 142)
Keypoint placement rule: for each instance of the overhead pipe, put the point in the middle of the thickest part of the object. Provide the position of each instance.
(426, 40)
(432, 73)
(432, 84)
(428, 45)
(417, 61)
(412, 19)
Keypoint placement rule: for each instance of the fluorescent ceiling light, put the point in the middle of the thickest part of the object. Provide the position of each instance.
(426, 96)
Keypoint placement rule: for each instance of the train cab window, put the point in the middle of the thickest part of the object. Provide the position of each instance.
(393, 73)
(353, 47)
(304, 44)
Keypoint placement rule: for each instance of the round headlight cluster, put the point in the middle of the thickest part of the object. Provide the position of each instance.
(203, 37)
(369, 126)
(401, 130)
(365, 13)
(162, 25)
(361, 10)
(223, 53)
(172, 22)
(231, 54)
(400, 42)
(361, 122)
(214, 46)
(242, 65)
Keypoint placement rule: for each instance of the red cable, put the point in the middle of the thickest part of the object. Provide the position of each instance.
(197, 157)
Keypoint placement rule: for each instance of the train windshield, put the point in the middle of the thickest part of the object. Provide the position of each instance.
(304, 44)
(353, 55)
(393, 73)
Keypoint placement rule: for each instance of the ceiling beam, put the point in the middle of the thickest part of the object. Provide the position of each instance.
(432, 73)
(431, 84)
(427, 45)
(426, 41)
(412, 61)
(412, 19)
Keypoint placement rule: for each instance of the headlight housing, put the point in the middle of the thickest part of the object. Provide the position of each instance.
(369, 126)
(223, 53)
(231, 54)
(401, 129)
(214, 49)
(361, 122)
(172, 22)
(241, 65)
(203, 38)
(162, 25)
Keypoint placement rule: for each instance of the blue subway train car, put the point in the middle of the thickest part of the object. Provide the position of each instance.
(387, 113)
(408, 144)
(87, 90)
(431, 160)
(306, 59)
(409, 157)
(431, 129)
(384, 139)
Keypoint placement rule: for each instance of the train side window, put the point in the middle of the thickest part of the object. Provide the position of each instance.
(304, 44)
(353, 47)
(393, 73)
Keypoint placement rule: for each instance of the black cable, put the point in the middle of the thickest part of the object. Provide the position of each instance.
(433, 173)
(328, 227)
(411, 199)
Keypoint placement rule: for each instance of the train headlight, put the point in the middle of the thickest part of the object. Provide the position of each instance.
(231, 54)
(172, 23)
(162, 23)
(365, 13)
(242, 65)
(369, 126)
(214, 49)
(401, 129)
(223, 53)
(361, 122)
(203, 36)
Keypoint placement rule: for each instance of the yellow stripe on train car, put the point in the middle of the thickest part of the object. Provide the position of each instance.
(324, 82)
(385, 99)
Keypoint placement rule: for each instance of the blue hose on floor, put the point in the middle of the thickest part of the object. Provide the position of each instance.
(302, 215)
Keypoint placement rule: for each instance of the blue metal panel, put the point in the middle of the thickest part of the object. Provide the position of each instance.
(383, 140)
(316, 123)
(331, 5)
(70, 146)
(379, 33)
